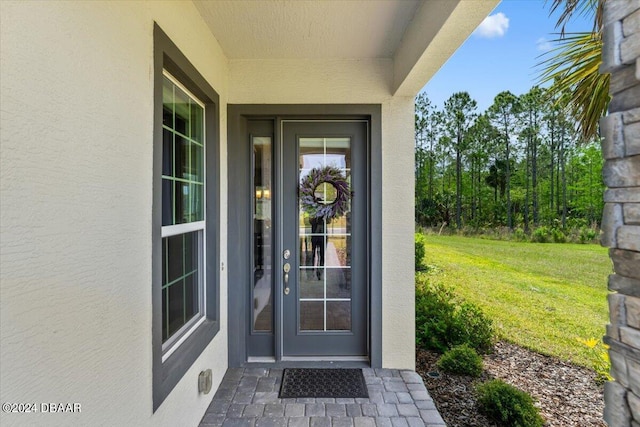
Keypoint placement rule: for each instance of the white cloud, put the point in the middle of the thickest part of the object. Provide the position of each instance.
(493, 26)
(544, 45)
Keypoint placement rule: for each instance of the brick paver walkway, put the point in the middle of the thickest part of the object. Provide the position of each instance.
(248, 397)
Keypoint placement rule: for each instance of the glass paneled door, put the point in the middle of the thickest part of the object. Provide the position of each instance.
(324, 240)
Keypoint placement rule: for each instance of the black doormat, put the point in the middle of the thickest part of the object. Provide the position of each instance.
(336, 383)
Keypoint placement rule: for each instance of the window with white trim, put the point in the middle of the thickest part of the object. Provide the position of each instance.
(183, 207)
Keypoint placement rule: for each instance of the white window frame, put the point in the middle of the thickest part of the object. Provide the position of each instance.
(181, 335)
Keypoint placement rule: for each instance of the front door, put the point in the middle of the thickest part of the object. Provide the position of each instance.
(323, 277)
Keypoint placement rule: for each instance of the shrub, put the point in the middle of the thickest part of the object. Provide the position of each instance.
(507, 405)
(462, 360)
(588, 234)
(444, 321)
(558, 236)
(541, 234)
(474, 327)
(434, 314)
(420, 240)
(519, 235)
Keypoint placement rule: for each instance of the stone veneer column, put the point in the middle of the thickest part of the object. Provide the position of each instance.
(621, 218)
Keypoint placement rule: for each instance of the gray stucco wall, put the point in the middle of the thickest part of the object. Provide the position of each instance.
(621, 219)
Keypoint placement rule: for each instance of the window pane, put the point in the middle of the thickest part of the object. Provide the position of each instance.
(263, 280)
(191, 296)
(167, 152)
(196, 192)
(181, 111)
(182, 210)
(338, 251)
(165, 323)
(197, 125)
(175, 249)
(311, 283)
(191, 252)
(338, 282)
(167, 102)
(197, 163)
(338, 315)
(311, 315)
(182, 158)
(176, 306)
(182, 282)
(167, 202)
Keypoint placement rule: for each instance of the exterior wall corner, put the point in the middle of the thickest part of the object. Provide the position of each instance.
(621, 233)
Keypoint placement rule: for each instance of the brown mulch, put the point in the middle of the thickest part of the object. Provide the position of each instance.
(567, 395)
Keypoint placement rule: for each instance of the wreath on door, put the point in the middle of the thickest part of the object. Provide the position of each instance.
(319, 180)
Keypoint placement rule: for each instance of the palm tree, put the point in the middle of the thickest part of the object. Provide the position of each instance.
(574, 65)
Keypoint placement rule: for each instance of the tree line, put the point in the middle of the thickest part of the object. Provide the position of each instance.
(520, 164)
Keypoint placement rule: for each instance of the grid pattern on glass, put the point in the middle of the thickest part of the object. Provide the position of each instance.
(325, 246)
(180, 278)
(183, 207)
(262, 271)
(182, 155)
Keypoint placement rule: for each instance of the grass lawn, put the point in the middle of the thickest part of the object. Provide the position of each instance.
(542, 296)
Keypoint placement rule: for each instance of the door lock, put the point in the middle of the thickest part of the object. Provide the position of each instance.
(286, 268)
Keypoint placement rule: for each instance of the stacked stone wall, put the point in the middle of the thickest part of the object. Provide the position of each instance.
(621, 219)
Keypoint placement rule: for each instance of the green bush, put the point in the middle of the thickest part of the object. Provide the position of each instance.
(462, 360)
(474, 327)
(519, 235)
(541, 234)
(588, 235)
(444, 321)
(420, 240)
(507, 405)
(558, 236)
(434, 314)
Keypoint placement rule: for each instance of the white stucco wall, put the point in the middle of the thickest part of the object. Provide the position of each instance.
(75, 178)
(76, 157)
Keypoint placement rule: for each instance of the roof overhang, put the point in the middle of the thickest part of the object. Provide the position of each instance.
(417, 35)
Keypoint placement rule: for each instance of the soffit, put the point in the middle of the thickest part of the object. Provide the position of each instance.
(300, 29)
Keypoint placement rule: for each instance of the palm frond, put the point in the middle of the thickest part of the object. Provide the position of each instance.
(591, 9)
(574, 68)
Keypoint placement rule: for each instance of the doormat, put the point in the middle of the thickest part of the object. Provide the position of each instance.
(336, 383)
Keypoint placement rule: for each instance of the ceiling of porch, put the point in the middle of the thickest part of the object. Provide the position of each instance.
(308, 29)
(418, 35)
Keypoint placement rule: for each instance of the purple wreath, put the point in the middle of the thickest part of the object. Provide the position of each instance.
(314, 206)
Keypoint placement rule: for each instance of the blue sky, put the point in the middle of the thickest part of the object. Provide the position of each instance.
(501, 54)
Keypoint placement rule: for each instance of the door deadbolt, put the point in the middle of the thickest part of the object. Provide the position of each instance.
(286, 254)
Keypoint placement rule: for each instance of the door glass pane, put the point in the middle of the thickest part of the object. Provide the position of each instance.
(338, 283)
(312, 315)
(338, 315)
(262, 235)
(324, 286)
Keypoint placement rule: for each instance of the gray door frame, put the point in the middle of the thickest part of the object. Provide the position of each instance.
(239, 216)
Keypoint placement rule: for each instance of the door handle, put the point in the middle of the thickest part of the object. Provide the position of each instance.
(286, 268)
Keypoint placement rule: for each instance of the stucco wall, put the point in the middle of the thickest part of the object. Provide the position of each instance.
(75, 174)
(75, 267)
(621, 219)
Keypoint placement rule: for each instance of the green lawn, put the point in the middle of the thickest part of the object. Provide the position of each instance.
(542, 296)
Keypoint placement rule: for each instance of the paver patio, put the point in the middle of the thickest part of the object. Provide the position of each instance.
(248, 397)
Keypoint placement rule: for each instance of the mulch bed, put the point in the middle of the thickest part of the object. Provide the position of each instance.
(567, 395)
